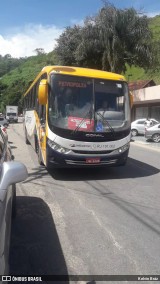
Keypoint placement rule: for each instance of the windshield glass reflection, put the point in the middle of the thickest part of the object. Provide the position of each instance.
(90, 105)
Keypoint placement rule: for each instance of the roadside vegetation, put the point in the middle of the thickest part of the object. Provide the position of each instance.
(118, 40)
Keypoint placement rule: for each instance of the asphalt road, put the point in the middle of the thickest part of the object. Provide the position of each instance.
(87, 221)
(140, 139)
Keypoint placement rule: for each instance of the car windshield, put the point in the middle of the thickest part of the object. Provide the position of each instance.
(86, 104)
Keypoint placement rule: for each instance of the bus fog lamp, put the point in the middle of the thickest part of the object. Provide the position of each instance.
(122, 149)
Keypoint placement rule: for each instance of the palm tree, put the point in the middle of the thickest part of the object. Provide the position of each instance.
(67, 44)
(89, 51)
(125, 37)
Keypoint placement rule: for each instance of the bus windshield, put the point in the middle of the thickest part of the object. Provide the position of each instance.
(88, 104)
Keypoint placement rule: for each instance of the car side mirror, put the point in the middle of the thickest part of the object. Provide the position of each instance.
(12, 172)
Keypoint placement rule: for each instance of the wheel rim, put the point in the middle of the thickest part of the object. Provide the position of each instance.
(134, 132)
(156, 138)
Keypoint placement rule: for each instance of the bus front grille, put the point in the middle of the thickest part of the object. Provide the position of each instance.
(92, 152)
(83, 163)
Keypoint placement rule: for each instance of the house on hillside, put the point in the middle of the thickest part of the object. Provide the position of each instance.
(146, 99)
(141, 84)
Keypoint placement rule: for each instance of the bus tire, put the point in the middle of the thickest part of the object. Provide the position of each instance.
(26, 139)
(48, 167)
(39, 154)
(36, 144)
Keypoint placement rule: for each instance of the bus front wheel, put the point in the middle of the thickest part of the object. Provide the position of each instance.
(39, 154)
(26, 139)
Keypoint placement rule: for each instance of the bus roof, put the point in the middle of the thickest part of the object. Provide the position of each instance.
(86, 72)
(78, 71)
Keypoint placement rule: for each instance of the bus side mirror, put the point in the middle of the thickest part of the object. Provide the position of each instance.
(43, 92)
(131, 99)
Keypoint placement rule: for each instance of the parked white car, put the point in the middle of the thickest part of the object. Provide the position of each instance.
(4, 121)
(138, 126)
(10, 173)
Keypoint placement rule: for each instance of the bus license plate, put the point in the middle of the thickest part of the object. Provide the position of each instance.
(92, 160)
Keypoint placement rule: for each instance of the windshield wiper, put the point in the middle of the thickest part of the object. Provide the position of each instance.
(81, 122)
(106, 121)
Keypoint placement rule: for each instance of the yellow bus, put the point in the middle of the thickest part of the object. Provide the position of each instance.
(76, 117)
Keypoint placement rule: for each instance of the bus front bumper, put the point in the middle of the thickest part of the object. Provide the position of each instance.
(59, 160)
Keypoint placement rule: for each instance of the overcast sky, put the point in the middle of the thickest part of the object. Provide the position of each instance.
(29, 24)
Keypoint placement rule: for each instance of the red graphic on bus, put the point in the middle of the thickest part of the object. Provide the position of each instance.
(82, 124)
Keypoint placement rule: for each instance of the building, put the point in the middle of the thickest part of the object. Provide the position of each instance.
(141, 84)
(146, 99)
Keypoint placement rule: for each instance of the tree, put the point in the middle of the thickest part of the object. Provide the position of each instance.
(125, 37)
(7, 56)
(89, 51)
(67, 44)
(39, 51)
(108, 41)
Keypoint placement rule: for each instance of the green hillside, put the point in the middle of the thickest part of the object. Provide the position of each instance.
(15, 82)
(155, 27)
(27, 71)
(139, 73)
(135, 73)
(17, 74)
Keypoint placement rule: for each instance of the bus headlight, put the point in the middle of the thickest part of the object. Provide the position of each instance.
(58, 148)
(121, 149)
